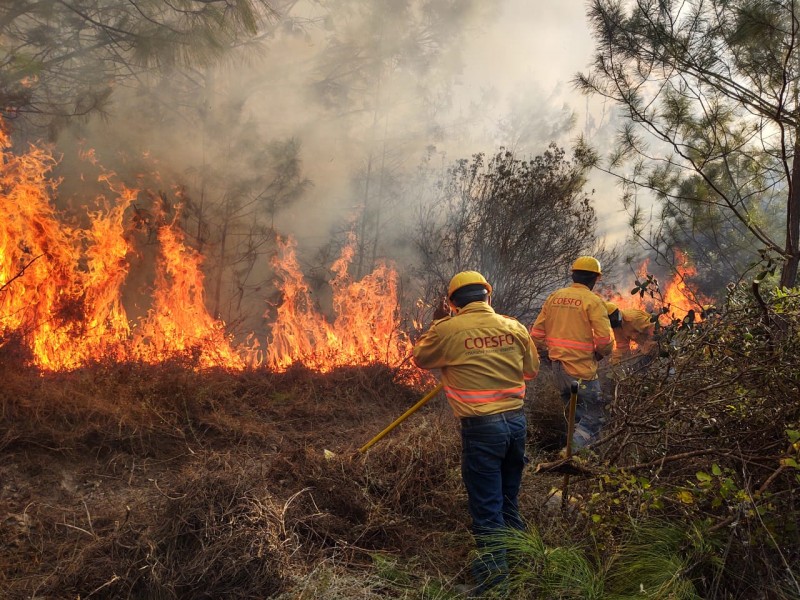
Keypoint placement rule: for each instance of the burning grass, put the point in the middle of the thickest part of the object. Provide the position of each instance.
(69, 282)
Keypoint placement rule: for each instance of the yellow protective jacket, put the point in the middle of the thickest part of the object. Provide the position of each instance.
(637, 327)
(485, 359)
(572, 326)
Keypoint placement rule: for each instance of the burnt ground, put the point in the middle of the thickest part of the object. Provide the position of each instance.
(128, 481)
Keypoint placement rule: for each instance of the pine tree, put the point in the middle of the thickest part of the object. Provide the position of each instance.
(710, 91)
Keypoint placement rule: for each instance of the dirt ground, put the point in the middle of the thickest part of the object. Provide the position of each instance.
(144, 482)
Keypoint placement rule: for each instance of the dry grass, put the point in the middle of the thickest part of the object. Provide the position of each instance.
(161, 482)
(217, 533)
(132, 481)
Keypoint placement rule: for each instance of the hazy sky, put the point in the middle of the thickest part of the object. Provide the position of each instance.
(517, 64)
(504, 70)
(537, 47)
(539, 41)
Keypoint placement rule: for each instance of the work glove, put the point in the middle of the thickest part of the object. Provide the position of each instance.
(598, 357)
(442, 310)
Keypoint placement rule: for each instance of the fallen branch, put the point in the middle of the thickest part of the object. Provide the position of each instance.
(670, 458)
(567, 466)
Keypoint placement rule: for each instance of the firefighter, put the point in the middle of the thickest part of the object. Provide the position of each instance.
(630, 325)
(573, 331)
(485, 359)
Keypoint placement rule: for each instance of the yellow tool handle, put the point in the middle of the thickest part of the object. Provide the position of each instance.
(401, 418)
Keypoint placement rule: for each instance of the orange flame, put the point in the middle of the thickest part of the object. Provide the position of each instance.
(38, 258)
(366, 329)
(179, 322)
(678, 296)
(61, 289)
(107, 327)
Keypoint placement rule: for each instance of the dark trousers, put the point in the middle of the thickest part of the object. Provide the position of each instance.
(492, 461)
(589, 409)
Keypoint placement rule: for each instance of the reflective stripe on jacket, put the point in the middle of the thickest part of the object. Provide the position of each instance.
(572, 326)
(485, 359)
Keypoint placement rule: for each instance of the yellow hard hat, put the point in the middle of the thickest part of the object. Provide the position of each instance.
(611, 307)
(459, 280)
(587, 263)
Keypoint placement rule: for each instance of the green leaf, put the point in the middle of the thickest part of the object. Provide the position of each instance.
(793, 435)
(716, 470)
(701, 476)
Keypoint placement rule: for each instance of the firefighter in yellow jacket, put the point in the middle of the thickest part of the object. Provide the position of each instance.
(630, 325)
(485, 359)
(574, 330)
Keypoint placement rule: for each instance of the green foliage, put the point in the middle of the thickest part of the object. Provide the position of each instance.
(519, 222)
(767, 264)
(710, 101)
(717, 488)
(544, 572)
(656, 560)
(622, 494)
(707, 434)
(62, 59)
(659, 560)
(648, 286)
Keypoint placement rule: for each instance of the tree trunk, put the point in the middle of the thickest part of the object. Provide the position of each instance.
(380, 195)
(361, 242)
(789, 271)
(217, 312)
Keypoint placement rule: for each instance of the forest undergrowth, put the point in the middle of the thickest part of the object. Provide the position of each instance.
(132, 481)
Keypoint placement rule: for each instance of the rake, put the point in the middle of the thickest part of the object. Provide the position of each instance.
(401, 418)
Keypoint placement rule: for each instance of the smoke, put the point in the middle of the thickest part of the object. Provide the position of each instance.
(340, 103)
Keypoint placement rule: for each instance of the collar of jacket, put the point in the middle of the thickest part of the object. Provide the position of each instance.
(477, 306)
(580, 285)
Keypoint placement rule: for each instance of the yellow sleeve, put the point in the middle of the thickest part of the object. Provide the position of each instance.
(538, 331)
(428, 351)
(641, 322)
(601, 328)
(530, 360)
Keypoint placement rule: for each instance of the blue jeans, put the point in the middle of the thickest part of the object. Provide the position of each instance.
(492, 460)
(589, 409)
